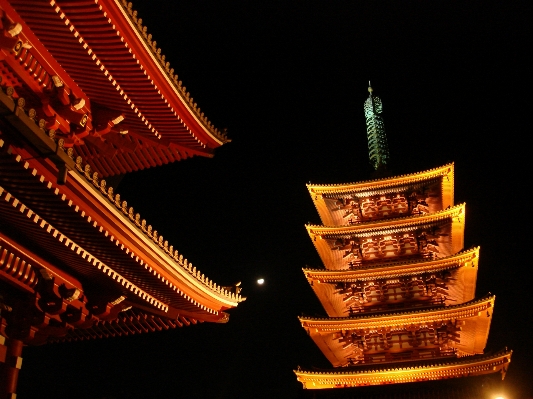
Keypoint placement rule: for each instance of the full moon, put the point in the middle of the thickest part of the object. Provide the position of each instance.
(260, 281)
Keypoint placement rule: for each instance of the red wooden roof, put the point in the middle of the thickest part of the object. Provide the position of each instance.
(102, 54)
(81, 228)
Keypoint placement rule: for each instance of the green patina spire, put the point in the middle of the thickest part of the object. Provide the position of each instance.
(378, 150)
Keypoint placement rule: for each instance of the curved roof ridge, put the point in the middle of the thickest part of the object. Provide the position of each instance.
(69, 245)
(135, 219)
(392, 264)
(364, 225)
(182, 90)
(385, 179)
(486, 297)
(27, 117)
(418, 365)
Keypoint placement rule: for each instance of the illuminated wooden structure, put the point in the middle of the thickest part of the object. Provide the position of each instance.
(87, 95)
(405, 372)
(397, 286)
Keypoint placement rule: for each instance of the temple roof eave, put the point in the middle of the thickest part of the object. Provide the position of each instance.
(401, 317)
(393, 269)
(343, 188)
(401, 373)
(472, 319)
(166, 74)
(323, 194)
(387, 224)
(321, 235)
(160, 110)
(178, 268)
(189, 276)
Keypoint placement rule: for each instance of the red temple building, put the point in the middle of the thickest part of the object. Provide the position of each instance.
(85, 96)
(397, 285)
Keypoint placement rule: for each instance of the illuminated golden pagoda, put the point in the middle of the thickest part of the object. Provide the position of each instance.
(397, 285)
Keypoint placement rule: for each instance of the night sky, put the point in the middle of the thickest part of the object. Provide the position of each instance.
(289, 79)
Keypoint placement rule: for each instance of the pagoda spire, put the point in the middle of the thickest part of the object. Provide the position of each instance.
(378, 150)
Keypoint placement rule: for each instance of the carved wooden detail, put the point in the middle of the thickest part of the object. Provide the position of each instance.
(383, 294)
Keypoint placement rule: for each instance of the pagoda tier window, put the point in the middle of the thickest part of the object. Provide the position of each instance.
(350, 208)
(370, 249)
(384, 357)
(358, 251)
(369, 209)
(408, 245)
(386, 248)
(409, 343)
(363, 207)
(389, 246)
(400, 204)
(384, 207)
(400, 340)
(422, 290)
(356, 210)
(419, 207)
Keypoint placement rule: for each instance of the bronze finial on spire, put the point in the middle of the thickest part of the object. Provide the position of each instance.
(378, 150)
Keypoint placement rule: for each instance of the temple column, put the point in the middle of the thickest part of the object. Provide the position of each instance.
(10, 364)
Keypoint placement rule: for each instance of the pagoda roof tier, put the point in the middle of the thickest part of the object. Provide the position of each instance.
(468, 323)
(169, 290)
(99, 60)
(459, 287)
(94, 244)
(438, 234)
(87, 229)
(428, 370)
(435, 186)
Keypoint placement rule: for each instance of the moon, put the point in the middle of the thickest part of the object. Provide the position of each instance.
(261, 281)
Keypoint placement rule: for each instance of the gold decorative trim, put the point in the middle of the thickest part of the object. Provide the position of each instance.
(134, 218)
(436, 370)
(383, 182)
(92, 260)
(394, 269)
(165, 65)
(141, 224)
(468, 309)
(388, 226)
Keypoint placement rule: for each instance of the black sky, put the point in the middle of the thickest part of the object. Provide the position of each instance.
(289, 79)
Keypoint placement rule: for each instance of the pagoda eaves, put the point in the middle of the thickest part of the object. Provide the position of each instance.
(456, 330)
(342, 247)
(448, 280)
(335, 202)
(130, 109)
(437, 369)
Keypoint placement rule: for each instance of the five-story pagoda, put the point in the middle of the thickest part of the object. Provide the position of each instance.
(398, 286)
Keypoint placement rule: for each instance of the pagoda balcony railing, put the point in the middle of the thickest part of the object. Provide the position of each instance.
(391, 357)
(367, 264)
(404, 305)
(387, 208)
